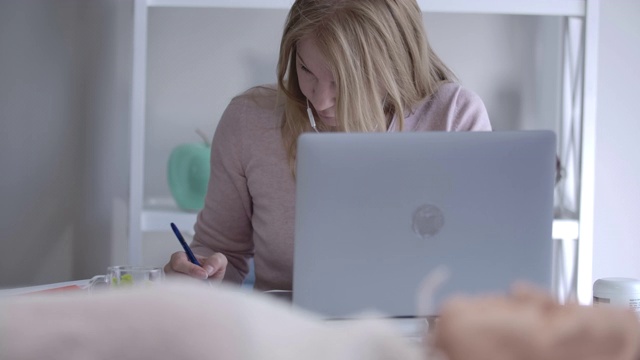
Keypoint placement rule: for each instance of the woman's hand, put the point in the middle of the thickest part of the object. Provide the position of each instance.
(213, 267)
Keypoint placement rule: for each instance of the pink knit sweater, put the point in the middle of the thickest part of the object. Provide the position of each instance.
(249, 208)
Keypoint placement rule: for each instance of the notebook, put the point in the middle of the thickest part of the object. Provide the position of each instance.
(377, 212)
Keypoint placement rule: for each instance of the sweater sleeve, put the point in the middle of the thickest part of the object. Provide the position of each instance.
(224, 224)
(470, 112)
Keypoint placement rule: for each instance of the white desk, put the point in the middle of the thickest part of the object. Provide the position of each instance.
(62, 286)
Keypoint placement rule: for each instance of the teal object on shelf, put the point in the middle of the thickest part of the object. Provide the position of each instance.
(188, 175)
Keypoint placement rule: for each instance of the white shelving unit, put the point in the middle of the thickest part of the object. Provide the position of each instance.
(579, 98)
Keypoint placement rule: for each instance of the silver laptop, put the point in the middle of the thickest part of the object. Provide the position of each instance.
(376, 213)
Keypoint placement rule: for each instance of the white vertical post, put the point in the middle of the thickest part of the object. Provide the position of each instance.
(567, 194)
(138, 100)
(587, 188)
(570, 134)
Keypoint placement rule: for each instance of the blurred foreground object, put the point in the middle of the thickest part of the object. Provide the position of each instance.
(529, 324)
(188, 322)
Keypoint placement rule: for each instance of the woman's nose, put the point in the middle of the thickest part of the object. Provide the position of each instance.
(324, 96)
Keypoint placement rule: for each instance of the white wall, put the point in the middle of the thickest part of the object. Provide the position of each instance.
(64, 89)
(198, 59)
(40, 140)
(106, 65)
(616, 248)
(512, 62)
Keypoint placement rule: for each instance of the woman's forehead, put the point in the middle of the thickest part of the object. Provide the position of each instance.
(312, 57)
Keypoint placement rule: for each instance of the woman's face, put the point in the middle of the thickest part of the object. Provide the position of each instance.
(316, 80)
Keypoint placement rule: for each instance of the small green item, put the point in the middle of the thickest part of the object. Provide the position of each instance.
(188, 175)
(125, 280)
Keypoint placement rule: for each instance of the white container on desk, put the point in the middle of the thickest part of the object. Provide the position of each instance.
(617, 291)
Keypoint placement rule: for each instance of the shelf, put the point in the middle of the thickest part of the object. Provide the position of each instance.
(231, 4)
(566, 229)
(159, 213)
(507, 7)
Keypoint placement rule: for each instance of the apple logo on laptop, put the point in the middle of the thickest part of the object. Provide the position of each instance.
(428, 220)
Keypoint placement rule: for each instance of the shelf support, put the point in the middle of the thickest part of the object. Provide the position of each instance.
(588, 156)
(575, 192)
(138, 102)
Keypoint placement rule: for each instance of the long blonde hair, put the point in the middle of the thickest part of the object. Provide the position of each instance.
(378, 53)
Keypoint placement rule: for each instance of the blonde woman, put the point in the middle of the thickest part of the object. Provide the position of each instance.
(348, 66)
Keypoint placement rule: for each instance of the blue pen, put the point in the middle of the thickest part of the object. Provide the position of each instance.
(186, 247)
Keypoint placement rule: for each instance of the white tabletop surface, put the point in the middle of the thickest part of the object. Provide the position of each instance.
(30, 289)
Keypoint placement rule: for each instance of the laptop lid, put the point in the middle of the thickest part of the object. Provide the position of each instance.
(376, 213)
